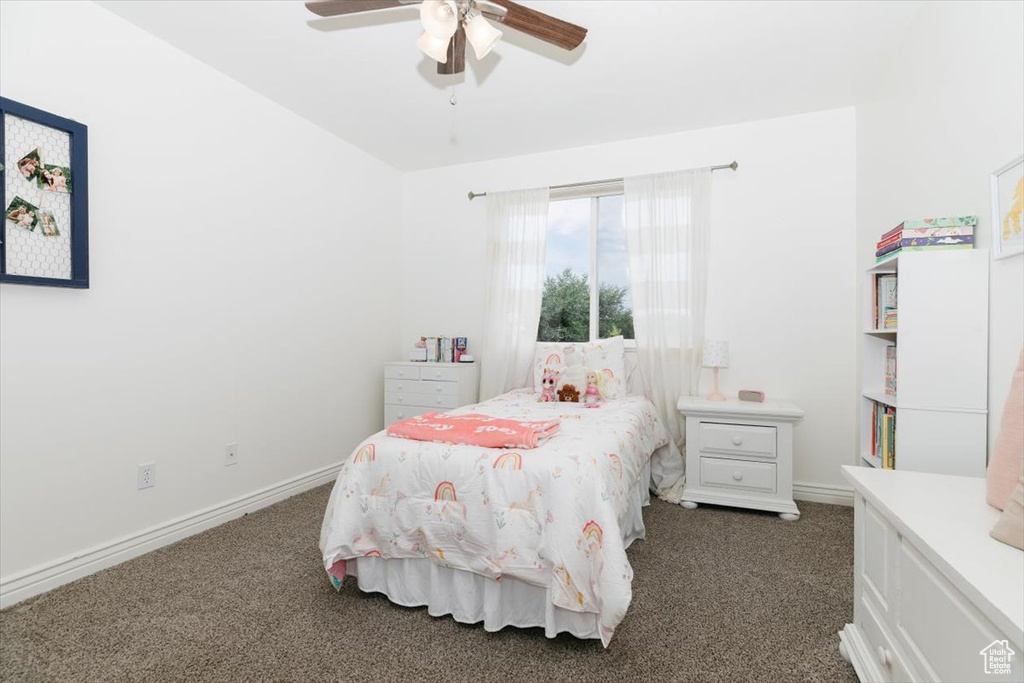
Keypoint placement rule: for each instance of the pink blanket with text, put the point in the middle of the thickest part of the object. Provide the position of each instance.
(474, 429)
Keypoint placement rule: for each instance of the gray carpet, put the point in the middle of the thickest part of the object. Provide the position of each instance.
(718, 595)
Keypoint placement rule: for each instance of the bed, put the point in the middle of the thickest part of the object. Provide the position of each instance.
(525, 538)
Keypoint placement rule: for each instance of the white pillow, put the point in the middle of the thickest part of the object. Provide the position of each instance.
(573, 359)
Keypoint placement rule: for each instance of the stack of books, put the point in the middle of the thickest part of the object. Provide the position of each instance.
(883, 438)
(445, 349)
(885, 317)
(890, 370)
(928, 234)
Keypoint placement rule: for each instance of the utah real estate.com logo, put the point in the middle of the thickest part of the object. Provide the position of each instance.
(998, 657)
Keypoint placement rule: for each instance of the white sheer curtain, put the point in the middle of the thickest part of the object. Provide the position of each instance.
(668, 232)
(517, 224)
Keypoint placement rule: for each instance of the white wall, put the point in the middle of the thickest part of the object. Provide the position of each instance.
(945, 111)
(241, 283)
(783, 263)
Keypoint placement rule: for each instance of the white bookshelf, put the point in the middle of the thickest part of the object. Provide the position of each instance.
(941, 362)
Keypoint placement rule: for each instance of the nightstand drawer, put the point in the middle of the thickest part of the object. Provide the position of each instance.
(431, 400)
(416, 386)
(401, 372)
(730, 439)
(737, 474)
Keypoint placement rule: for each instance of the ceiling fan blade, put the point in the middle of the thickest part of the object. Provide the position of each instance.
(334, 8)
(456, 63)
(539, 25)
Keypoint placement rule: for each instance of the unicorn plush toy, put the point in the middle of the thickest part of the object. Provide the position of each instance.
(548, 382)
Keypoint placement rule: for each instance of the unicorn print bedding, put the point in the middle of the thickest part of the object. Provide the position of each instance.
(558, 517)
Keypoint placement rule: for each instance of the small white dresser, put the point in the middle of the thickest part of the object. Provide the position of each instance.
(935, 597)
(740, 453)
(416, 388)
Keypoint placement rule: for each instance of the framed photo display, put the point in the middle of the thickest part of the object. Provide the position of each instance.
(44, 195)
(1008, 209)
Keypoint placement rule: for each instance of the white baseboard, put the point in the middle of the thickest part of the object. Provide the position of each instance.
(823, 493)
(44, 577)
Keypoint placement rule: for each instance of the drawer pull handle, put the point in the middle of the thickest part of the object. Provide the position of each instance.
(738, 476)
(401, 373)
(737, 440)
(401, 398)
(884, 656)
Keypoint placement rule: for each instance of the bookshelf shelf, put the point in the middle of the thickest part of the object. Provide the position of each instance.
(881, 397)
(941, 362)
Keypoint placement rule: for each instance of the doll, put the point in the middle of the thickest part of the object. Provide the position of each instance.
(548, 382)
(594, 393)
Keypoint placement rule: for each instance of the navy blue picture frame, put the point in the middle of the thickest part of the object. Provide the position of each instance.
(79, 135)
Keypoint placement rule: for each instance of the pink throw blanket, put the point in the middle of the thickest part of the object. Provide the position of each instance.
(474, 429)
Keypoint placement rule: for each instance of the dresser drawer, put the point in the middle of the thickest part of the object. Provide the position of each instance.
(417, 386)
(439, 374)
(393, 414)
(730, 439)
(738, 474)
(881, 646)
(941, 631)
(401, 372)
(429, 400)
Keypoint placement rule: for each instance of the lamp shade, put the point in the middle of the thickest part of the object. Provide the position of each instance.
(481, 35)
(440, 18)
(435, 48)
(716, 354)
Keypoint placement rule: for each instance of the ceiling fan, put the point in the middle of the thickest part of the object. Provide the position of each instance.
(448, 24)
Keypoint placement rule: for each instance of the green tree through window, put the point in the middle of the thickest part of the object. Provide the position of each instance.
(565, 310)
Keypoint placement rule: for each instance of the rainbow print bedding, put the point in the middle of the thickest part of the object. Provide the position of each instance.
(549, 516)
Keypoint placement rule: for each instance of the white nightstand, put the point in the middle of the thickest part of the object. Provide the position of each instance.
(740, 453)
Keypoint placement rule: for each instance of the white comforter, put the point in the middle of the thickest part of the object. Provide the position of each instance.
(549, 516)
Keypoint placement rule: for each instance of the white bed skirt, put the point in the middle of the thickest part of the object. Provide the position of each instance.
(470, 598)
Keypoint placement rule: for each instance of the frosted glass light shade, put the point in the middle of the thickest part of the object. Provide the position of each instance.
(440, 18)
(481, 35)
(435, 48)
(716, 354)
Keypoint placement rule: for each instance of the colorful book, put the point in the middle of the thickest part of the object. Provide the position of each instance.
(938, 232)
(892, 246)
(938, 247)
(950, 222)
(936, 241)
(887, 257)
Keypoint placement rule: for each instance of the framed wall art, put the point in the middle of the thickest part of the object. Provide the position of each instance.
(1008, 209)
(45, 198)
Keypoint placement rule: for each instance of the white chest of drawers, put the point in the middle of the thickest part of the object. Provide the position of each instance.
(935, 597)
(740, 453)
(416, 388)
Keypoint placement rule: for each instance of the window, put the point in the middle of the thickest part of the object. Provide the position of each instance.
(586, 283)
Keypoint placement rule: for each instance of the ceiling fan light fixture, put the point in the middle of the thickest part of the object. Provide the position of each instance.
(440, 18)
(481, 35)
(435, 48)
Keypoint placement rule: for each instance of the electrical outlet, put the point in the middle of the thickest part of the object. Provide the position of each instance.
(231, 454)
(147, 475)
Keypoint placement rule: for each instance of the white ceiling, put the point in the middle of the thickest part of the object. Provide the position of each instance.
(646, 68)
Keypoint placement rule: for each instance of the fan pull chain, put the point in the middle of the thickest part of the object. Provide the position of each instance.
(452, 99)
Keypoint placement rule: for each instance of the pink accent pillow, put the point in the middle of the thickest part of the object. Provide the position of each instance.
(1005, 463)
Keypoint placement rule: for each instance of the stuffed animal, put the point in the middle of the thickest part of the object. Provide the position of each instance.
(595, 392)
(569, 394)
(548, 382)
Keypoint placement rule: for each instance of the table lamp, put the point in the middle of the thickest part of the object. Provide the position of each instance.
(716, 355)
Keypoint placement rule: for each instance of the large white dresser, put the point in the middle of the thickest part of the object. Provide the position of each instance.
(935, 597)
(416, 388)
